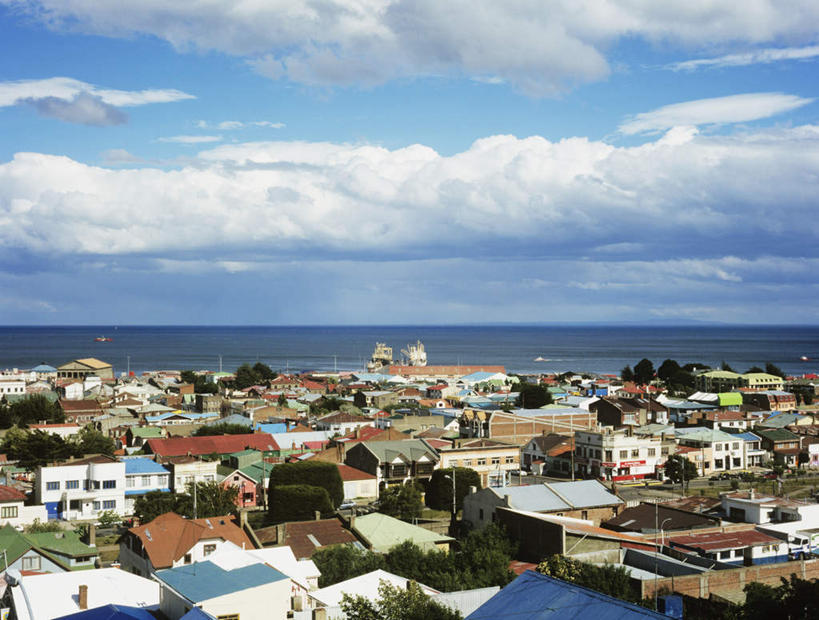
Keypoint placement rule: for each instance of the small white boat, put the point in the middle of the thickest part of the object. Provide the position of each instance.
(541, 359)
(805, 358)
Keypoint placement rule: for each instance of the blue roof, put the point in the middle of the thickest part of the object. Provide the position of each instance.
(202, 581)
(44, 368)
(748, 436)
(110, 612)
(197, 613)
(533, 596)
(143, 466)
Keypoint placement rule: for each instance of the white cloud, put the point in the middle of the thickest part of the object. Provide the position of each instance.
(503, 197)
(74, 101)
(190, 139)
(116, 157)
(229, 125)
(15, 92)
(716, 110)
(763, 56)
(538, 49)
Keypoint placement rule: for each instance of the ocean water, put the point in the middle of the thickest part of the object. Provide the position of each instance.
(577, 348)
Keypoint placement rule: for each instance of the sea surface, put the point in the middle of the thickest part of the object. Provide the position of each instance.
(577, 348)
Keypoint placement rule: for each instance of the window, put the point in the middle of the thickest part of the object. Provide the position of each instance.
(608, 455)
(623, 454)
(8, 512)
(724, 555)
(468, 463)
(31, 563)
(664, 451)
(584, 514)
(228, 617)
(481, 461)
(635, 454)
(495, 460)
(109, 504)
(735, 445)
(717, 447)
(510, 459)
(208, 549)
(717, 463)
(109, 484)
(737, 553)
(72, 484)
(130, 482)
(162, 481)
(52, 486)
(74, 504)
(146, 481)
(96, 505)
(187, 558)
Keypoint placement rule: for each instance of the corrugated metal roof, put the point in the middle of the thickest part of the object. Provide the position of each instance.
(202, 581)
(533, 596)
(585, 493)
(534, 498)
(143, 466)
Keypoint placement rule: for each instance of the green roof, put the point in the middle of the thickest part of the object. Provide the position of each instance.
(383, 533)
(13, 543)
(68, 544)
(775, 434)
(730, 399)
(146, 431)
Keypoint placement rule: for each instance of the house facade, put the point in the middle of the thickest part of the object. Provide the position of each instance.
(81, 488)
(394, 462)
(618, 455)
(491, 459)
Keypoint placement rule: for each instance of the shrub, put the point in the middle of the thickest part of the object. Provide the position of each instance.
(295, 502)
(309, 473)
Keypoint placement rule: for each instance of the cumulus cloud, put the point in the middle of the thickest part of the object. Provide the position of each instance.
(755, 57)
(538, 49)
(716, 110)
(503, 197)
(74, 101)
(190, 139)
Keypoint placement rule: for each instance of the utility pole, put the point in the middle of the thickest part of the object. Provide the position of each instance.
(656, 530)
(194, 496)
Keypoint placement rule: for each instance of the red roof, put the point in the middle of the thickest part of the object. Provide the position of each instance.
(9, 494)
(715, 541)
(218, 444)
(351, 473)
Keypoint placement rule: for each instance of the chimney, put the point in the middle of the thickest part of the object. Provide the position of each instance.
(280, 534)
(82, 597)
(751, 493)
(92, 535)
(506, 501)
(473, 489)
(318, 515)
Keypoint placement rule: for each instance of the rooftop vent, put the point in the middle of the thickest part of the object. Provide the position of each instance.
(148, 535)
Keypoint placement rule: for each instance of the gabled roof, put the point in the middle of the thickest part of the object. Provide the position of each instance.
(411, 449)
(93, 362)
(351, 473)
(203, 581)
(169, 537)
(533, 596)
(383, 532)
(219, 444)
(10, 494)
(110, 612)
(307, 537)
(364, 585)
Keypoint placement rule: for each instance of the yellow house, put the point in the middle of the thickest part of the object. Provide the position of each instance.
(492, 459)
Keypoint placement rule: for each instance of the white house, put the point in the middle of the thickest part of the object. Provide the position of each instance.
(143, 475)
(12, 384)
(13, 510)
(251, 592)
(188, 469)
(63, 430)
(81, 488)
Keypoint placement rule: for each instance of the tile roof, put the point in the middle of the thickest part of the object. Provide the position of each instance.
(307, 537)
(93, 362)
(169, 537)
(202, 581)
(220, 444)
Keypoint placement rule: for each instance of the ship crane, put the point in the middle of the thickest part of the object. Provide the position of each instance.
(415, 354)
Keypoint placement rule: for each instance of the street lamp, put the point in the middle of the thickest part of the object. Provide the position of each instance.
(452, 477)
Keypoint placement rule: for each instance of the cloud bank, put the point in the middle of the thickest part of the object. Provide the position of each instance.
(540, 49)
(755, 57)
(504, 198)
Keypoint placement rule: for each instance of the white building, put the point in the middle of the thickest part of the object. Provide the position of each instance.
(63, 430)
(12, 384)
(617, 455)
(13, 510)
(81, 488)
(188, 469)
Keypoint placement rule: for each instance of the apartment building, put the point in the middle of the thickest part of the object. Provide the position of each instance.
(81, 488)
(618, 454)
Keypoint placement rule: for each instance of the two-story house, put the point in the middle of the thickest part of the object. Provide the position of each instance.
(394, 462)
(783, 445)
(492, 459)
(81, 488)
(143, 475)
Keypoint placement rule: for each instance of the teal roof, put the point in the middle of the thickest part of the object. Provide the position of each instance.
(203, 581)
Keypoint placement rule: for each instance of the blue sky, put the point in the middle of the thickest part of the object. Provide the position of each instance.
(384, 161)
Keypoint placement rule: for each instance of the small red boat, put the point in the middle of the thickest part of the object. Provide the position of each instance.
(103, 339)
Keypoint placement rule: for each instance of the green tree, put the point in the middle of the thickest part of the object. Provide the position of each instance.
(298, 502)
(395, 603)
(91, 441)
(154, 503)
(696, 367)
(531, 396)
(360, 399)
(341, 562)
(245, 376)
(33, 409)
(282, 402)
(312, 473)
(484, 558)
(627, 374)
(213, 499)
(668, 369)
(644, 371)
(402, 501)
(726, 366)
(608, 579)
(773, 369)
(439, 489)
(795, 599)
(109, 518)
(40, 448)
(755, 369)
(264, 372)
(677, 465)
(223, 428)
